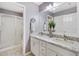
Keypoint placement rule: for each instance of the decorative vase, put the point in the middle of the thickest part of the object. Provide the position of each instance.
(53, 30)
(50, 33)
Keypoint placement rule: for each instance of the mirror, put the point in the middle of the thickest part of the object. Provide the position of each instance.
(65, 17)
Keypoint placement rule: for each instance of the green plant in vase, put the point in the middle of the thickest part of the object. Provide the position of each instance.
(51, 24)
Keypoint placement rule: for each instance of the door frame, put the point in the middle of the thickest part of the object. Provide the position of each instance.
(23, 43)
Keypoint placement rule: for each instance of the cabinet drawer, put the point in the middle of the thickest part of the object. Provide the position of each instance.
(42, 51)
(51, 52)
(60, 51)
(42, 43)
(35, 42)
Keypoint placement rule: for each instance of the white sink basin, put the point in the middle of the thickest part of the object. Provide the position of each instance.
(63, 41)
(57, 39)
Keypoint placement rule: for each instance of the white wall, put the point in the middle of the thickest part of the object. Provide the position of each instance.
(43, 18)
(59, 24)
(31, 11)
(77, 18)
(66, 23)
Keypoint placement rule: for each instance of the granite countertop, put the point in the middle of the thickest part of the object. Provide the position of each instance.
(68, 44)
(67, 34)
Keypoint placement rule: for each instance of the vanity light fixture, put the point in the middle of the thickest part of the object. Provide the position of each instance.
(54, 6)
(49, 7)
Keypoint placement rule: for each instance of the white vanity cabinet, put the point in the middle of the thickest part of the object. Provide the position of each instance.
(42, 48)
(35, 46)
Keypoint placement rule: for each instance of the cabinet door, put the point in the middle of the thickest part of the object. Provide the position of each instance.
(42, 51)
(42, 48)
(60, 51)
(35, 46)
(51, 52)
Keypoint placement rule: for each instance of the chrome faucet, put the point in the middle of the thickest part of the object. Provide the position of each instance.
(65, 37)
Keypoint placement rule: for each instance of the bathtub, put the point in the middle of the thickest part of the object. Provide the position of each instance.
(15, 50)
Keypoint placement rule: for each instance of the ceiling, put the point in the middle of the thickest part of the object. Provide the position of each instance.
(38, 3)
(12, 6)
(15, 7)
(63, 6)
(58, 6)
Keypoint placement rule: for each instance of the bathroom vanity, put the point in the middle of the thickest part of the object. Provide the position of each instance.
(67, 22)
(42, 45)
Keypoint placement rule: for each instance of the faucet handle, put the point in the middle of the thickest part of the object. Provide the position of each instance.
(65, 37)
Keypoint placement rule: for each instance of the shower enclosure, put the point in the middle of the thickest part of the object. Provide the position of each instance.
(11, 32)
(11, 29)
